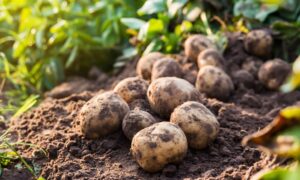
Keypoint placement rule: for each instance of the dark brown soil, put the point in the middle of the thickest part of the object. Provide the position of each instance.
(53, 126)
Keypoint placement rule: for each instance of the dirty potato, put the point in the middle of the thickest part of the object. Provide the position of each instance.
(136, 120)
(198, 123)
(166, 67)
(102, 115)
(165, 94)
(210, 57)
(259, 43)
(243, 78)
(132, 88)
(273, 73)
(214, 82)
(145, 64)
(158, 145)
(195, 44)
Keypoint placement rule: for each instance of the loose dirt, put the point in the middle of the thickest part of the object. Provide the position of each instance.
(53, 126)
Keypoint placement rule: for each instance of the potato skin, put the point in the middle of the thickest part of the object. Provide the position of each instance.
(157, 145)
(132, 88)
(259, 43)
(210, 57)
(214, 82)
(102, 115)
(136, 120)
(165, 94)
(145, 64)
(198, 123)
(195, 44)
(243, 78)
(166, 67)
(273, 73)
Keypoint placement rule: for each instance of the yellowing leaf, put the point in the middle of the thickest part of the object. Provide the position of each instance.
(273, 2)
(281, 136)
(292, 112)
(293, 81)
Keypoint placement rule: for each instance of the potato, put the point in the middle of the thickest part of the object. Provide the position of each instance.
(102, 115)
(210, 57)
(273, 73)
(166, 67)
(195, 44)
(135, 121)
(243, 78)
(158, 145)
(165, 94)
(259, 43)
(214, 83)
(145, 64)
(132, 88)
(198, 123)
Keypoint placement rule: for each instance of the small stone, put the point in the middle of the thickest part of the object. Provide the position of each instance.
(75, 151)
(194, 169)
(225, 151)
(85, 152)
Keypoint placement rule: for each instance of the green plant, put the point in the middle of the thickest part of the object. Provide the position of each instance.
(164, 24)
(282, 16)
(9, 154)
(280, 137)
(268, 11)
(16, 100)
(43, 40)
(287, 39)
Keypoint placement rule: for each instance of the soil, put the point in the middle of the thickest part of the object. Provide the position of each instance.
(53, 125)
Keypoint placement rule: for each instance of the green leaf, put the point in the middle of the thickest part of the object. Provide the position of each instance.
(72, 57)
(155, 26)
(171, 42)
(290, 172)
(59, 26)
(155, 45)
(128, 53)
(39, 38)
(133, 23)
(273, 174)
(152, 6)
(265, 11)
(293, 81)
(29, 102)
(18, 48)
(41, 178)
(246, 8)
(100, 5)
(174, 6)
(184, 27)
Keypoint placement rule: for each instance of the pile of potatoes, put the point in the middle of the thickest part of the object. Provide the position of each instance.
(175, 118)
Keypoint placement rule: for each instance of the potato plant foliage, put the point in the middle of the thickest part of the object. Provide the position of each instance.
(42, 41)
